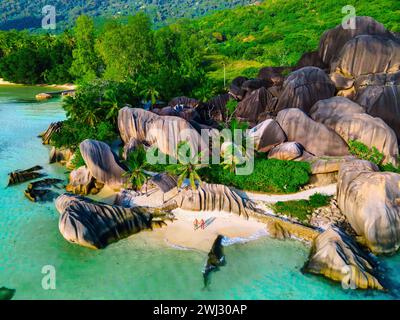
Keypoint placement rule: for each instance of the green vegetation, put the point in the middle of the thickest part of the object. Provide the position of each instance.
(277, 33)
(187, 166)
(77, 160)
(362, 151)
(269, 175)
(300, 209)
(136, 164)
(27, 14)
(35, 59)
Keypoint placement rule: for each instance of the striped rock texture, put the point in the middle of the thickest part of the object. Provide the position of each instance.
(336, 256)
(350, 121)
(103, 164)
(370, 200)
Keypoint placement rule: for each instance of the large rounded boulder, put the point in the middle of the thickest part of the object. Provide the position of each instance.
(363, 55)
(103, 164)
(336, 256)
(349, 120)
(163, 132)
(252, 106)
(379, 95)
(96, 225)
(371, 202)
(267, 135)
(314, 136)
(333, 40)
(305, 87)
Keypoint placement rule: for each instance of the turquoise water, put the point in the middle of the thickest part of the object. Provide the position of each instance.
(135, 268)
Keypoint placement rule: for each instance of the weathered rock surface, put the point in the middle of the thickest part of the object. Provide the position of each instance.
(251, 106)
(96, 225)
(184, 101)
(46, 135)
(333, 40)
(60, 155)
(371, 202)
(273, 75)
(382, 100)
(267, 135)
(81, 182)
(44, 190)
(20, 176)
(311, 59)
(214, 197)
(303, 88)
(315, 137)
(286, 151)
(350, 121)
(362, 55)
(103, 164)
(236, 90)
(336, 256)
(163, 132)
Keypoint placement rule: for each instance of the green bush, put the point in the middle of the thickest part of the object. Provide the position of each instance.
(362, 151)
(301, 208)
(269, 175)
(73, 133)
(78, 160)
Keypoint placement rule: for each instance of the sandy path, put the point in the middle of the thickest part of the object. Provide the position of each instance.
(329, 190)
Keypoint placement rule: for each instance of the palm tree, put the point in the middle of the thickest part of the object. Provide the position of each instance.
(136, 163)
(187, 166)
(111, 101)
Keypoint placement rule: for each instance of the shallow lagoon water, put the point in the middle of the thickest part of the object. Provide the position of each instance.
(135, 268)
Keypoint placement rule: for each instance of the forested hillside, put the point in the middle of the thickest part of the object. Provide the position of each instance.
(22, 14)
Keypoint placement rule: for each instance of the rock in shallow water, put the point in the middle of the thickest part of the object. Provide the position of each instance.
(96, 225)
(20, 176)
(336, 256)
(371, 202)
(216, 259)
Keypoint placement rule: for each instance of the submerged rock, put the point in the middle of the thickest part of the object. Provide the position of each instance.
(44, 190)
(6, 294)
(371, 202)
(103, 164)
(216, 259)
(350, 121)
(336, 256)
(315, 137)
(20, 176)
(95, 225)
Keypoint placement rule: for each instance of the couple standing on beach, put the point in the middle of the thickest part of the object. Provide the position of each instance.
(199, 224)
